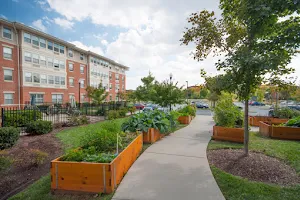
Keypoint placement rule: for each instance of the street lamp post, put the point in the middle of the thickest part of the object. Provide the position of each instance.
(79, 83)
(171, 76)
(187, 90)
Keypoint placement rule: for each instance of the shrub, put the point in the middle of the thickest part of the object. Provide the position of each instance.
(123, 112)
(78, 120)
(39, 156)
(187, 111)
(226, 114)
(21, 117)
(8, 137)
(295, 122)
(113, 114)
(132, 109)
(5, 163)
(39, 127)
(286, 113)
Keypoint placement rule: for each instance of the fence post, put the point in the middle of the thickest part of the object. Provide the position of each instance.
(34, 114)
(2, 117)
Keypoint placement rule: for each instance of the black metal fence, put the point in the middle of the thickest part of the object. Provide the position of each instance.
(56, 113)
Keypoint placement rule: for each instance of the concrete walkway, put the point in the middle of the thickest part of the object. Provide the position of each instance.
(174, 168)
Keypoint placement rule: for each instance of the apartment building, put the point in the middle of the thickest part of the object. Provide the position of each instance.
(36, 64)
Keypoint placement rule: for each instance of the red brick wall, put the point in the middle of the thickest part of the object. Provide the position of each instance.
(112, 81)
(76, 75)
(9, 86)
(47, 93)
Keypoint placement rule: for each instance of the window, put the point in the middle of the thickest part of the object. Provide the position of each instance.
(81, 69)
(71, 96)
(27, 37)
(81, 56)
(7, 33)
(71, 67)
(36, 78)
(110, 75)
(56, 63)
(39, 98)
(50, 79)
(57, 98)
(70, 53)
(8, 74)
(117, 76)
(7, 52)
(57, 80)
(35, 40)
(81, 83)
(123, 87)
(27, 56)
(8, 98)
(110, 97)
(71, 82)
(82, 97)
(61, 49)
(50, 45)
(43, 79)
(62, 80)
(123, 78)
(117, 87)
(56, 47)
(62, 64)
(35, 58)
(50, 62)
(28, 77)
(42, 43)
(110, 86)
(43, 60)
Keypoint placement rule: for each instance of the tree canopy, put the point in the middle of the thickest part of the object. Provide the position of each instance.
(257, 37)
(98, 95)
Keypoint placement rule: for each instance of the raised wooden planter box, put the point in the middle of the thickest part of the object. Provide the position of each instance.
(228, 134)
(185, 119)
(152, 136)
(280, 132)
(254, 120)
(94, 177)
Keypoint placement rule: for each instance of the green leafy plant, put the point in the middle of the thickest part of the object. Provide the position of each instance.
(295, 122)
(144, 121)
(39, 127)
(21, 117)
(8, 137)
(188, 110)
(5, 163)
(78, 120)
(132, 109)
(100, 158)
(226, 113)
(123, 112)
(286, 113)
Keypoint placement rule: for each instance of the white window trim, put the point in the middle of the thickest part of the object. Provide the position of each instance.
(9, 68)
(8, 46)
(12, 33)
(72, 93)
(57, 93)
(8, 92)
(37, 93)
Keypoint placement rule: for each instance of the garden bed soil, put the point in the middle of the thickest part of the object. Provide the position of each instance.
(255, 167)
(23, 170)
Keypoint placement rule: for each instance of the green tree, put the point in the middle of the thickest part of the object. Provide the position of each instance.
(143, 92)
(98, 95)
(255, 39)
(203, 93)
(167, 94)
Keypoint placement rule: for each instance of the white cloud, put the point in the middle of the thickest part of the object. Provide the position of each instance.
(38, 24)
(65, 24)
(3, 16)
(151, 37)
(94, 49)
(104, 42)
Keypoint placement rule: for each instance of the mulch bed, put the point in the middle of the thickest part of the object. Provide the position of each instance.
(255, 167)
(24, 171)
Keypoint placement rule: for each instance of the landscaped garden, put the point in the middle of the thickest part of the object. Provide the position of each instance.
(101, 143)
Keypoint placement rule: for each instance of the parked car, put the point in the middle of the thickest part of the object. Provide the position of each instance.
(201, 105)
(147, 108)
(139, 106)
(154, 106)
(256, 103)
(294, 107)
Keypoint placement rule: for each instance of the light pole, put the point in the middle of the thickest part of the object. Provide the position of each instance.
(171, 76)
(187, 90)
(79, 83)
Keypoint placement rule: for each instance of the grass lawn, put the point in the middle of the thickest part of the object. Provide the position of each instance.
(234, 187)
(71, 139)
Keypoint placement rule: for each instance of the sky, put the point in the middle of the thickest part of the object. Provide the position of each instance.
(143, 35)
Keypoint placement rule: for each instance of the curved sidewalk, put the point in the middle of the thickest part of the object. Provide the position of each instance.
(174, 168)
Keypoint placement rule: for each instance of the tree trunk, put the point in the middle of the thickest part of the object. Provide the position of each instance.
(246, 130)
